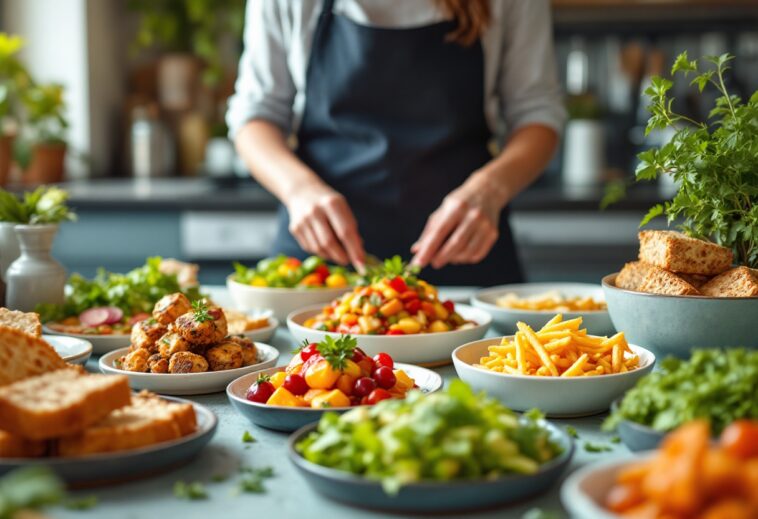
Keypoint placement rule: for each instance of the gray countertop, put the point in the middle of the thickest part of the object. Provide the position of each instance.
(287, 495)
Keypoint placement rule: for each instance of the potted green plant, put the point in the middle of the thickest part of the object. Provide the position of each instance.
(33, 276)
(13, 78)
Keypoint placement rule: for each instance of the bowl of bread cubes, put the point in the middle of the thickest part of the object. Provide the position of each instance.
(683, 293)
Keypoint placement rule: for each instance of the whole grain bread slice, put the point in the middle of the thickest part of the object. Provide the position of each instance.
(674, 251)
(660, 281)
(632, 275)
(146, 421)
(736, 282)
(25, 321)
(22, 355)
(12, 446)
(59, 403)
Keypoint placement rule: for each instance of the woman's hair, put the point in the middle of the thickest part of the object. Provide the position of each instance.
(472, 16)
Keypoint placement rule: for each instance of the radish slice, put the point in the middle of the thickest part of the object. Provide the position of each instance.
(94, 316)
(114, 314)
(138, 318)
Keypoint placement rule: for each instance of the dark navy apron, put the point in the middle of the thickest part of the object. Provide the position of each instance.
(394, 120)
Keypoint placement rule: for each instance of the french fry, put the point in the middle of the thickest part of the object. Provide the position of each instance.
(551, 302)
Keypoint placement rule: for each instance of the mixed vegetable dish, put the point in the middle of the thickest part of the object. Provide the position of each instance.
(332, 373)
(395, 302)
(451, 435)
(288, 272)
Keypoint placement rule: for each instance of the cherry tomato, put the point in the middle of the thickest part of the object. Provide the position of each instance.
(295, 384)
(309, 351)
(385, 377)
(260, 391)
(449, 305)
(741, 439)
(292, 262)
(358, 356)
(384, 359)
(413, 306)
(398, 284)
(395, 332)
(364, 400)
(364, 386)
(322, 271)
(377, 395)
(408, 295)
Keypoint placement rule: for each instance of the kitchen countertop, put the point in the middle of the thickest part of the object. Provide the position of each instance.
(206, 194)
(287, 494)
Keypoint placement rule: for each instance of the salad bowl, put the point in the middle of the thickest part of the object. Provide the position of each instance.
(433, 496)
(288, 419)
(555, 396)
(423, 349)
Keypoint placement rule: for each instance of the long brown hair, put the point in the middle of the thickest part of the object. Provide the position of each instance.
(472, 16)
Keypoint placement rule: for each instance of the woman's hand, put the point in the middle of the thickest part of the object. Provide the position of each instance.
(464, 228)
(322, 223)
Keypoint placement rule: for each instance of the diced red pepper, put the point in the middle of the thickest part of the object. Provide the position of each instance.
(398, 284)
(408, 295)
(395, 332)
(428, 309)
(449, 305)
(412, 306)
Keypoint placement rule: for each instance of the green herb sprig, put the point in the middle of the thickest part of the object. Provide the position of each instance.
(190, 491)
(337, 351)
(200, 311)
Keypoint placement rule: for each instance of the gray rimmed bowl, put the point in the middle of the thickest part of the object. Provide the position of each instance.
(636, 436)
(673, 325)
(431, 497)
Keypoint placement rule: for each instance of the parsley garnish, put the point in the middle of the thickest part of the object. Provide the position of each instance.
(247, 437)
(596, 447)
(200, 310)
(191, 491)
(571, 431)
(252, 479)
(337, 351)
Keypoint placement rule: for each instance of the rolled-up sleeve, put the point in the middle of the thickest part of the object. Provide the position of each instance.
(264, 88)
(530, 92)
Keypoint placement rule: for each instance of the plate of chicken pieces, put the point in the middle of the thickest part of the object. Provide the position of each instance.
(186, 349)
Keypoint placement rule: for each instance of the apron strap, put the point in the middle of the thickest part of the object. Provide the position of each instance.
(323, 22)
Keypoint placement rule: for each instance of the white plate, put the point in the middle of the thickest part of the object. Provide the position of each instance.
(554, 396)
(597, 322)
(584, 491)
(423, 348)
(71, 349)
(100, 343)
(188, 383)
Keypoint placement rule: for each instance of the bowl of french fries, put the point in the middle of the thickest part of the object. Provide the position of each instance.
(536, 303)
(558, 368)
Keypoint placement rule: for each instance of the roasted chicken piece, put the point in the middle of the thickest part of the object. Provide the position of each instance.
(203, 326)
(172, 343)
(249, 352)
(227, 355)
(170, 307)
(157, 363)
(187, 362)
(136, 361)
(145, 335)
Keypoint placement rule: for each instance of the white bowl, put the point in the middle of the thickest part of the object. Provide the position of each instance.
(100, 343)
(71, 349)
(584, 491)
(263, 334)
(282, 301)
(555, 396)
(597, 322)
(188, 383)
(424, 348)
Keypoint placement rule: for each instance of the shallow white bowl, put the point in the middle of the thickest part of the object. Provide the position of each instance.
(597, 322)
(282, 301)
(584, 491)
(424, 348)
(263, 334)
(71, 349)
(555, 396)
(188, 383)
(100, 343)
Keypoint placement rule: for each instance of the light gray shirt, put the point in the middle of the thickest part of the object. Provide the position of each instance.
(521, 84)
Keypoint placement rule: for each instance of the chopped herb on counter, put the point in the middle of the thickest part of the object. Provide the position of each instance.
(571, 431)
(252, 479)
(84, 503)
(597, 447)
(248, 438)
(191, 491)
(616, 439)
(219, 478)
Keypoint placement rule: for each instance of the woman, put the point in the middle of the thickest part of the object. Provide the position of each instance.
(393, 104)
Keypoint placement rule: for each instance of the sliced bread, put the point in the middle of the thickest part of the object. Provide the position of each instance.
(146, 421)
(632, 275)
(25, 321)
(63, 402)
(674, 251)
(660, 281)
(736, 282)
(12, 446)
(696, 280)
(22, 355)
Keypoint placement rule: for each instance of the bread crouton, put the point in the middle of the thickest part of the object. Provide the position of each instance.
(676, 252)
(27, 322)
(736, 282)
(660, 281)
(632, 275)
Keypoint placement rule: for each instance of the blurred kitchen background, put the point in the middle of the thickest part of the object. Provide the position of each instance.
(151, 172)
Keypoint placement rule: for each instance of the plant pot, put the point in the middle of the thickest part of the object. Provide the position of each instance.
(9, 247)
(47, 164)
(35, 277)
(178, 78)
(6, 157)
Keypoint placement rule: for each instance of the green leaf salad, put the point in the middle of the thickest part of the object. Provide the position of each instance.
(718, 385)
(451, 435)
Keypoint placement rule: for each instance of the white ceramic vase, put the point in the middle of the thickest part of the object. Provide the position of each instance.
(9, 248)
(35, 277)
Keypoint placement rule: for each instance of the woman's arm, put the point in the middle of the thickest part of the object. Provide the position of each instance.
(320, 218)
(465, 227)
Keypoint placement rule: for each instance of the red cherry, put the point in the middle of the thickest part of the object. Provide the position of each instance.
(377, 395)
(385, 377)
(363, 386)
(309, 351)
(295, 384)
(358, 356)
(260, 391)
(384, 359)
